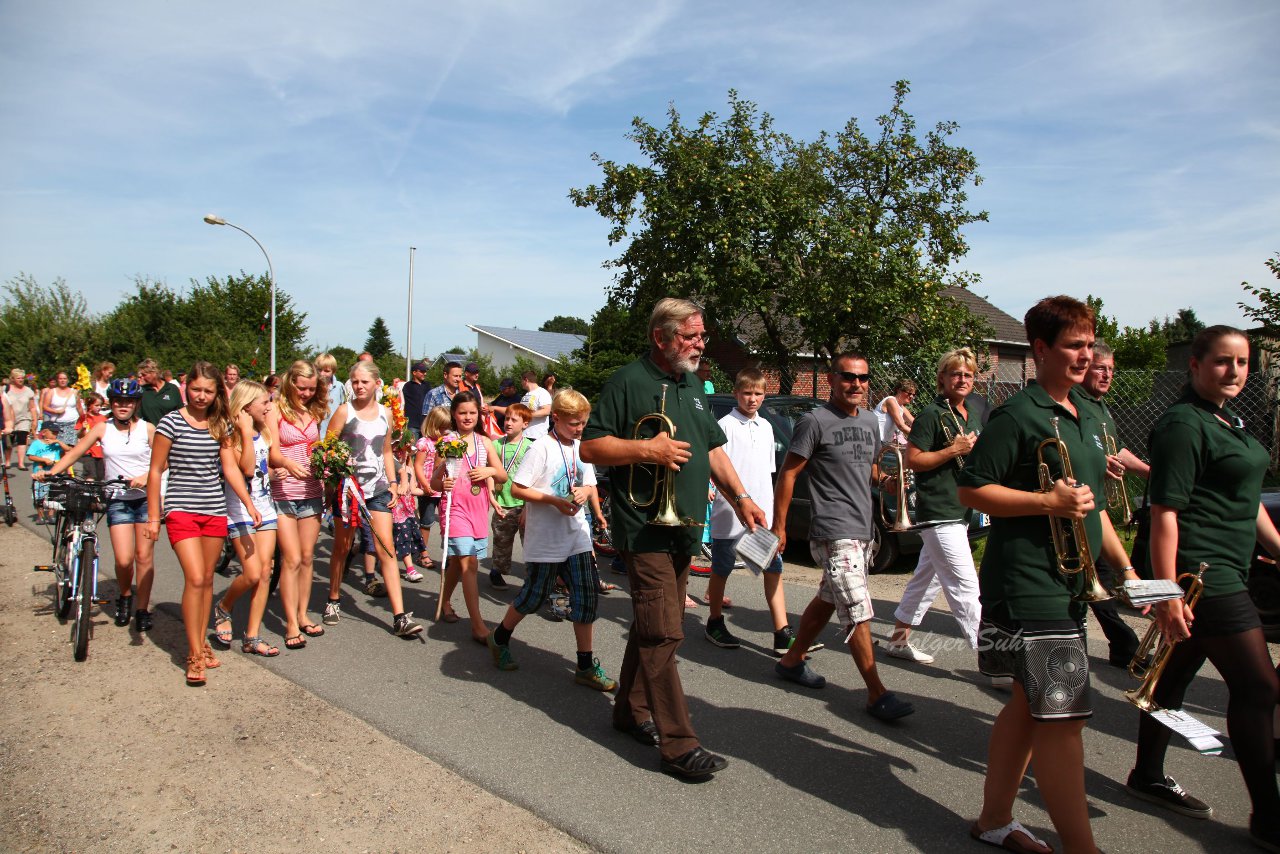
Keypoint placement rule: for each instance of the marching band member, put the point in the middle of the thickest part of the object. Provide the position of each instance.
(943, 434)
(1206, 477)
(651, 703)
(1032, 629)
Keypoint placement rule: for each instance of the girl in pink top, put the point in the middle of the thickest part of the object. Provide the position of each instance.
(299, 496)
(467, 508)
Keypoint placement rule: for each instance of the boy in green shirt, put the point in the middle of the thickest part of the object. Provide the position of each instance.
(507, 509)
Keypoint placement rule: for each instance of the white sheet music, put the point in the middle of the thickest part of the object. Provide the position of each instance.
(757, 548)
(1201, 736)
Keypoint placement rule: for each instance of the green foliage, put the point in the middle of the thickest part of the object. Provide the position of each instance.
(1182, 327)
(345, 357)
(1136, 349)
(1267, 312)
(44, 329)
(379, 343)
(848, 241)
(564, 323)
(615, 337)
(219, 320)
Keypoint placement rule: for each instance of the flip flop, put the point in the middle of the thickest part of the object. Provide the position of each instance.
(311, 630)
(1003, 837)
(295, 642)
(449, 617)
(889, 708)
(606, 588)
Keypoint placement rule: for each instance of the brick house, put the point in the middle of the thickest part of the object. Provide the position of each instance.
(1008, 357)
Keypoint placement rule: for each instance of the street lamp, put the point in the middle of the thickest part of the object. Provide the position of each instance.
(271, 276)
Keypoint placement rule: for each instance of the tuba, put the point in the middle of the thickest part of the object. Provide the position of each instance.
(1158, 648)
(663, 497)
(902, 519)
(1070, 537)
(1117, 492)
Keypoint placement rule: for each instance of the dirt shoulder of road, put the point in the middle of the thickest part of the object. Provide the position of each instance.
(118, 754)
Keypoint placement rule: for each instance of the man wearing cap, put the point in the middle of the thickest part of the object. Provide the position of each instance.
(507, 395)
(442, 395)
(413, 393)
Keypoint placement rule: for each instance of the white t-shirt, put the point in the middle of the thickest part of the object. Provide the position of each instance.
(552, 469)
(259, 484)
(752, 452)
(535, 399)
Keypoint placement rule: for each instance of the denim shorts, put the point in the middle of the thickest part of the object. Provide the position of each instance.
(723, 558)
(300, 508)
(380, 503)
(469, 547)
(428, 510)
(236, 530)
(127, 512)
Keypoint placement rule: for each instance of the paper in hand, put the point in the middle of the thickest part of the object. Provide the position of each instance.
(757, 548)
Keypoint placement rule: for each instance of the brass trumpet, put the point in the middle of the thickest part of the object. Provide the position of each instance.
(664, 481)
(1070, 537)
(949, 435)
(1117, 492)
(1158, 648)
(902, 520)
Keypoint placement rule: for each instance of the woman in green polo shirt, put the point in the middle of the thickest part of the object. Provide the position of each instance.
(1206, 476)
(1032, 630)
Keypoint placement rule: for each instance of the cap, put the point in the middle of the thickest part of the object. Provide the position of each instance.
(472, 368)
(507, 383)
(420, 366)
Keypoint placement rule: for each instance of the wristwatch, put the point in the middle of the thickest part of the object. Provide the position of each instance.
(737, 499)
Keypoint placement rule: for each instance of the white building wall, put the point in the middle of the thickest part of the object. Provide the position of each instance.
(502, 353)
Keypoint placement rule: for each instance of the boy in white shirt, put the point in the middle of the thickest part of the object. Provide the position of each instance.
(555, 488)
(750, 448)
(538, 399)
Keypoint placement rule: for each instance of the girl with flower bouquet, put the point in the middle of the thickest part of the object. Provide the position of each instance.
(436, 423)
(467, 511)
(364, 425)
(299, 494)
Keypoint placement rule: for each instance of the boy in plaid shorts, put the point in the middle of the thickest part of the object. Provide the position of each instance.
(553, 484)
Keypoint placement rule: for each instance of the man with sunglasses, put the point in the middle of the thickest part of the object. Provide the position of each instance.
(837, 444)
(651, 704)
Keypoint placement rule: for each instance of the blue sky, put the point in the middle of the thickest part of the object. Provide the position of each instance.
(1128, 149)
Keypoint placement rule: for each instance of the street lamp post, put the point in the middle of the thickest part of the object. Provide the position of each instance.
(271, 276)
(408, 346)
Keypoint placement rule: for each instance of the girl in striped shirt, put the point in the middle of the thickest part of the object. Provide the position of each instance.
(295, 422)
(188, 442)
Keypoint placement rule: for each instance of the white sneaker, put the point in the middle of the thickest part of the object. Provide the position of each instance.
(907, 652)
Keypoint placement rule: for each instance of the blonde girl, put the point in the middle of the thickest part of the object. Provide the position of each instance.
(364, 425)
(188, 442)
(468, 510)
(252, 534)
(436, 423)
(294, 422)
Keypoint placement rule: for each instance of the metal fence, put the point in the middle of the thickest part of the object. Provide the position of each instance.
(1137, 399)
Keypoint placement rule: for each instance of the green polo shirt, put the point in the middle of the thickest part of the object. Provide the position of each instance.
(936, 488)
(632, 392)
(1019, 577)
(157, 404)
(1211, 473)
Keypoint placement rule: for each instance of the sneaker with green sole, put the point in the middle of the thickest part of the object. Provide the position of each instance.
(501, 654)
(594, 677)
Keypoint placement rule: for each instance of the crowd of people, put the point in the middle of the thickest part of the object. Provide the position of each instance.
(212, 455)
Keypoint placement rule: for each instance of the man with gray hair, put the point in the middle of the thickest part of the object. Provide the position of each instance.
(651, 704)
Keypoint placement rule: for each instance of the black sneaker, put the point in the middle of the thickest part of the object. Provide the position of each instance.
(124, 608)
(719, 635)
(142, 619)
(784, 637)
(1168, 794)
(496, 581)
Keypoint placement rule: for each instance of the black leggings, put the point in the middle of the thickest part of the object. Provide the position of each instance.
(1253, 687)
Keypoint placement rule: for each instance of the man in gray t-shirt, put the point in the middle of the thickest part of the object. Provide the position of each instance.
(837, 444)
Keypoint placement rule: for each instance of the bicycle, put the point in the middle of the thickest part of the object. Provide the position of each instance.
(79, 505)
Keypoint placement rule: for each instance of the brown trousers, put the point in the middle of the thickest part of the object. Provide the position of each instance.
(649, 684)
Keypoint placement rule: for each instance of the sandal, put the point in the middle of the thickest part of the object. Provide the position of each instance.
(253, 645)
(210, 660)
(311, 630)
(606, 588)
(195, 670)
(1003, 837)
(295, 642)
(221, 636)
(450, 616)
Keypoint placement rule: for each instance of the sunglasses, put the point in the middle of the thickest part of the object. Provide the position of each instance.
(851, 377)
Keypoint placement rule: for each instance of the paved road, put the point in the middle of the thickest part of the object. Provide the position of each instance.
(810, 770)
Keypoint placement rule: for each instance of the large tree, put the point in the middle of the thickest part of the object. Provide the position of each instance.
(379, 343)
(1267, 312)
(1135, 348)
(566, 323)
(44, 329)
(794, 247)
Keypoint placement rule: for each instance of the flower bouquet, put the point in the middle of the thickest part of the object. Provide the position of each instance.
(401, 439)
(84, 382)
(331, 461)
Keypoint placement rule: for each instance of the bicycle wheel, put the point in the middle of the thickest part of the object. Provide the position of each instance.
(86, 574)
(63, 566)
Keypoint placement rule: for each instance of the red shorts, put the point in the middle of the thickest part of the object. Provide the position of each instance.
(184, 526)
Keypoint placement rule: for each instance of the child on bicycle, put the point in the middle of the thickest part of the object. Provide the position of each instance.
(43, 453)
